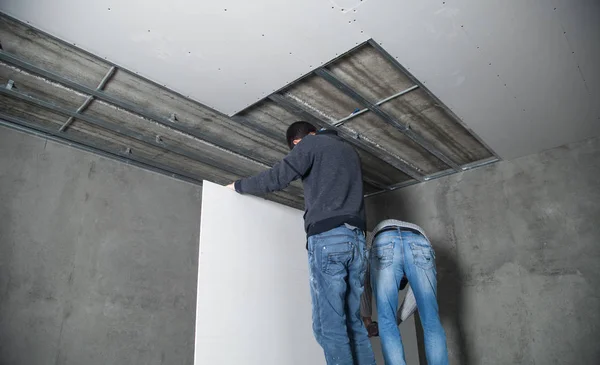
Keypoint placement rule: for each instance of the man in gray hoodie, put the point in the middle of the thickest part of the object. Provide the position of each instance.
(334, 220)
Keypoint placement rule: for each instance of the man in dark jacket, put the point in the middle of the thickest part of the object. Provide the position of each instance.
(335, 223)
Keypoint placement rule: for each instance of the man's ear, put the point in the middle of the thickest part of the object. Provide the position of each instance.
(296, 141)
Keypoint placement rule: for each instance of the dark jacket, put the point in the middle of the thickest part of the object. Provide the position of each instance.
(331, 174)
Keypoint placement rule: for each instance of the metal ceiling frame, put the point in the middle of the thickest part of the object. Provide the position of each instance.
(332, 79)
(301, 112)
(437, 101)
(304, 113)
(359, 141)
(16, 61)
(245, 121)
(157, 141)
(466, 167)
(379, 103)
(125, 157)
(117, 129)
(111, 64)
(349, 91)
(89, 99)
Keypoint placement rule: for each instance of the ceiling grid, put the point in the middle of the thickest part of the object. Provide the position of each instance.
(260, 72)
(124, 112)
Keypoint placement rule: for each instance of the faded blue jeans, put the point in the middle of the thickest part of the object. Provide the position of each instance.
(394, 254)
(337, 264)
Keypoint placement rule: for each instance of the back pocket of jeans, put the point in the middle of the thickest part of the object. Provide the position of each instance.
(424, 258)
(382, 256)
(335, 258)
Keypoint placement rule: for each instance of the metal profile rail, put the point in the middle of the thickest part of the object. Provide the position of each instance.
(89, 99)
(155, 141)
(437, 175)
(379, 103)
(481, 163)
(298, 110)
(101, 95)
(372, 182)
(346, 89)
(401, 185)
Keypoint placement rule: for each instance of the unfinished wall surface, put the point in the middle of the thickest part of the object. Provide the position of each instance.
(518, 254)
(98, 259)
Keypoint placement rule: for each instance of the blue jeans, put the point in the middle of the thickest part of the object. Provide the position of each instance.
(337, 261)
(394, 254)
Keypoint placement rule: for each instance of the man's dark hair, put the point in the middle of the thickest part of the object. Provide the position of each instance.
(298, 130)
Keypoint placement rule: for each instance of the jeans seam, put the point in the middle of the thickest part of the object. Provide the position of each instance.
(402, 251)
(317, 295)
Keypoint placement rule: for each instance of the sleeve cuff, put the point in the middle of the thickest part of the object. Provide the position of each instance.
(238, 186)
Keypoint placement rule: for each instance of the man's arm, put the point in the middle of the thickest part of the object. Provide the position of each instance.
(294, 166)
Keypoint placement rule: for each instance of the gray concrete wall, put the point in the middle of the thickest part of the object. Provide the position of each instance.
(518, 255)
(98, 259)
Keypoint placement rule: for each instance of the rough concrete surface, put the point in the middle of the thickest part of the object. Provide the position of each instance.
(518, 255)
(98, 259)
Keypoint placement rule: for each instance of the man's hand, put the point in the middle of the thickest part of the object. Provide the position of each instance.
(231, 186)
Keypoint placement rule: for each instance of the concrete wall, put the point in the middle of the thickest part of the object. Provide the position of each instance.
(518, 255)
(98, 259)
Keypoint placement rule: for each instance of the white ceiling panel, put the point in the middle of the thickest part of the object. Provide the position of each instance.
(506, 68)
(225, 54)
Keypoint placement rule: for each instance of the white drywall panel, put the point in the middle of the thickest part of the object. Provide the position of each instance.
(505, 67)
(225, 54)
(254, 305)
